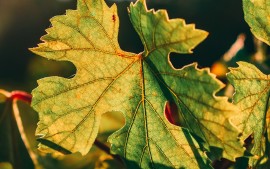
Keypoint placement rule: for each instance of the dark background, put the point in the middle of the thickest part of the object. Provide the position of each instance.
(23, 22)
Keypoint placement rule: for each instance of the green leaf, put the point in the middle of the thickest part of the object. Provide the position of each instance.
(161, 36)
(257, 15)
(251, 96)
(138, 85)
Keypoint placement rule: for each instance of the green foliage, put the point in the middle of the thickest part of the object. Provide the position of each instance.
(257, 15)
(252, 98)
(138, 85)
(252, 88)
(110, 82)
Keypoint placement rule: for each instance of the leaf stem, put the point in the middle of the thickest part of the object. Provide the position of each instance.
(14, 96)
(27, 98)
(21, 95)
(25, 140)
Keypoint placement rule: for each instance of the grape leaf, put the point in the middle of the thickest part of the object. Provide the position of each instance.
(138, 85)
(252, 93)
(257, 15)
(161, 38)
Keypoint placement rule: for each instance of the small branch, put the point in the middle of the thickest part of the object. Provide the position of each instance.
(15, 142)
(102, 146)
(14, 96)
(19, 122)
(106, 149)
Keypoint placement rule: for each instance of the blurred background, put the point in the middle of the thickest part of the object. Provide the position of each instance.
(23, 22)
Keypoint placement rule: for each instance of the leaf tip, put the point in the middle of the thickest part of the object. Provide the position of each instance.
(32, 49)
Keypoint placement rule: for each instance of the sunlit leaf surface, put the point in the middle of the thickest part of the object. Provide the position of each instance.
(252, 94)
(257, 15)
(138, 85)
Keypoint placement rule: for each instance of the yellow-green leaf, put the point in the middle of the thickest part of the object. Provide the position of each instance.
(252, 94)
(257, 15)
(138, 85)
(161, 36)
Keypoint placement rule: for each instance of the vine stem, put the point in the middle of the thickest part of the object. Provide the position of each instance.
(14, 96)
(106, 149)
(21, 95)
(25, 140)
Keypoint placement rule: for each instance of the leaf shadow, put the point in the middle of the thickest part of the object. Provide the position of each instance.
(134, 165)
(195, 150)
